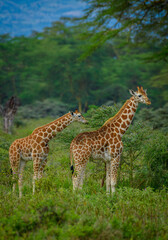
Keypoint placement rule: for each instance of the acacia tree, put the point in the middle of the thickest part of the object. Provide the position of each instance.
(142, 20)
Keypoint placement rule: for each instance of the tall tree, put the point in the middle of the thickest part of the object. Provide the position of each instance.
(48, 65)
(142, 20)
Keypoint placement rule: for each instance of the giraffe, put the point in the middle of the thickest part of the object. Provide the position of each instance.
(35, 147)
(105, 143)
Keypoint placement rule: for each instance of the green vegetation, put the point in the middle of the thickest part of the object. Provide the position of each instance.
(87, 63)
(141, 21)
(138, 210)
(48, 65)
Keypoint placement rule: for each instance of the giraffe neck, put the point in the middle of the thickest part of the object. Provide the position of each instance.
(51, 129)
(122, 120)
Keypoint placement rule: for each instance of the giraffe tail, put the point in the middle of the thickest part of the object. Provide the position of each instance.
(71, 158)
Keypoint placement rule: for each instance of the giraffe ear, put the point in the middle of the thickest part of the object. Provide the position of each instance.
(132, 92)
(72, 113)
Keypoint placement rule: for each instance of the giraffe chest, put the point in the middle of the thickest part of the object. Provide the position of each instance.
(101, 155)
(101, 151)
(26, 154)
(108, 151)
(29, 151)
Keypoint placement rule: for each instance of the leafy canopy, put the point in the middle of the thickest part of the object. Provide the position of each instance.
(142, 21)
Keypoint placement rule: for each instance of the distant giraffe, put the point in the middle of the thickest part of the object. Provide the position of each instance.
(105, 143)
(35, 147)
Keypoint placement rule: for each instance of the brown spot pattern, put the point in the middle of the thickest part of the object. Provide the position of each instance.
(104, 144)
(35, 147)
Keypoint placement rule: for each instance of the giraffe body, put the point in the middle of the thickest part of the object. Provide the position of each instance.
(105, 143)
(35, 147)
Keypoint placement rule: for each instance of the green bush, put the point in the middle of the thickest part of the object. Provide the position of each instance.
(40, 109)
(5, 171)
(134, 141)
(130, 214)
(155, 161)
(98, 116)
(156, 118)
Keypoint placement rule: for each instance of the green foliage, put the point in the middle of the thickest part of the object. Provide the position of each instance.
(40, 109)
(160, 82)
(46, 71)
(98, 116)
(56, 212)
(5, 171)
(47, 65)
(156, 118)
(141, 21)
(156, 161)
(71, 132)
(134, 140)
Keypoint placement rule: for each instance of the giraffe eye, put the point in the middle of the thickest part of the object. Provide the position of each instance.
(139, 95)
(79, 116)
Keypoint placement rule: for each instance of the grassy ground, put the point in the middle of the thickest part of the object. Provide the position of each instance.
(56, 212)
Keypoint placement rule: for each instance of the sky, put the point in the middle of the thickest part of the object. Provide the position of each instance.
(21, 17)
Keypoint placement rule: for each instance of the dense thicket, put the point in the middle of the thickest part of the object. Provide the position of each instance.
(48, 65)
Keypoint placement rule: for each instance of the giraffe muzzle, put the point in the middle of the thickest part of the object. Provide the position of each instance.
(148, 102)
(86, 122)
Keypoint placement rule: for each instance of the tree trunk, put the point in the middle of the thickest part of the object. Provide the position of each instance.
(79, 104)
(8, 113)
(86, 106)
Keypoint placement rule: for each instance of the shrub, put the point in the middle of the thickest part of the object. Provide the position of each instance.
(98, 116)
(40, 109)
(134, 141)
(5, 171)
(155, 161)
(156, 118)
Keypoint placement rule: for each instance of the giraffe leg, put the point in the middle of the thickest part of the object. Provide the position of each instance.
(14, 187)
(74, 182)
(21, 169)
(114, 167)
(108, 178)
(80, 172)
(15, 176)
(82, 176)
(36, 167)
(41, 169)
(14, 161)
(44, 161)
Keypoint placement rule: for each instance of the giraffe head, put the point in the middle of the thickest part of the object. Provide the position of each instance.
(141, 95)
(77, 116)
